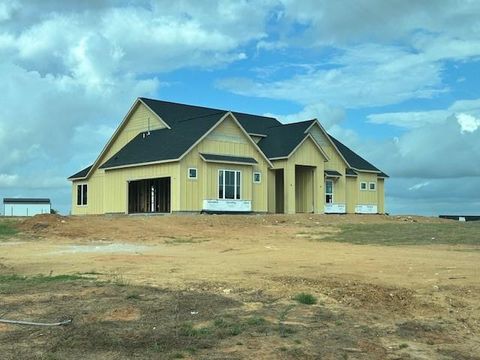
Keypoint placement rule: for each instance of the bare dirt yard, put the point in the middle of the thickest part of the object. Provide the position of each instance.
(240, 287)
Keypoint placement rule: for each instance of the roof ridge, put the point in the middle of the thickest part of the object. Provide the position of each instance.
(208, 108)
(202, 116)
(292, 123)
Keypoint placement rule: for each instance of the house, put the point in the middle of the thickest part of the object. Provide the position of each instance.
(25, 206)
(168, 157)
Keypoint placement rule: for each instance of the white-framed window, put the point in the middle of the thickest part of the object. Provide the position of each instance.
(363, 185)
(329, 191)
(192, 173)
(257, 177)
(229, 184)
(82, 191)
(372, 186)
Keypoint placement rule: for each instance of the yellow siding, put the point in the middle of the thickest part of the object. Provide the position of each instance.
(335, 162)
(116, 184)
(138, 122)
(226, 139)
(352, 194)
(367, 197)
(94, 195)
(307, 155)
(381, 195)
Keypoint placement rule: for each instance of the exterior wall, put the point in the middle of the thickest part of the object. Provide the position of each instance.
(381, 195)
(139, 121)
(271, 191)
(25, 209)
(335, 162)
(352, 194)
(367, 197)
(226, 139)
(307, 155)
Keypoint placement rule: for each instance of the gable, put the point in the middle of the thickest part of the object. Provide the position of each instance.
(141, 119)
(335, 161)
(307, 153)
(228, 138)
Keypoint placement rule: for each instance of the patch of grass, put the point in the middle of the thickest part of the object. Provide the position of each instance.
(7, 229)
(305, 298)
(133, 296)
(188, 330)
(256, 321)
(14, 282)
(408, 234)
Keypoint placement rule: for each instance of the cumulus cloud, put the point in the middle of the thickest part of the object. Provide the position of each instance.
(468, 123)
(327, 115)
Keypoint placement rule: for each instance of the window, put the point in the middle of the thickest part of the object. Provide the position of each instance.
(229, 184)
(372, 186)
(257, 177)
(328, 191)
(82, 194)
(363, 185)
(192, 173)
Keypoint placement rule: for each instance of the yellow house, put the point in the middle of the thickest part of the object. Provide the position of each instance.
(167, 157)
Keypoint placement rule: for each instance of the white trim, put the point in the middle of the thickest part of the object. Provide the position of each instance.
(141, 164)
(367, 171)
(366, 186)
(118, 130)
(279, 158)
(374, 186)
(82, 195)
(259, 135)
(155, 114)
(229, 113)
(192, 177)
(316, 144)
(259, 177)
(332, 193)
(328, 137)
(235, 184)
(226, 161)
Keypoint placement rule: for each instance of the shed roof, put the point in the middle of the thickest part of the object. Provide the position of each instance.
(228, 159)
(26, 201)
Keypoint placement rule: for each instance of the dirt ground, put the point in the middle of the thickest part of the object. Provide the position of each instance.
(223, 287)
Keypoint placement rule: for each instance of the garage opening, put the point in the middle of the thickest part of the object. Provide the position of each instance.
(149, 196)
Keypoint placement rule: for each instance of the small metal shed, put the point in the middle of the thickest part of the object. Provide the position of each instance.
(26, 206)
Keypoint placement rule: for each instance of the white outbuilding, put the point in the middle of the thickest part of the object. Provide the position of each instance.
(25, 206)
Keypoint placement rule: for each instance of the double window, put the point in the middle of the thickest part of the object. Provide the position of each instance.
(82, 194)
(328, 191)
(229, 184)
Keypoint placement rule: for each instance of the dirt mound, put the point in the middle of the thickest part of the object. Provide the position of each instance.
(41, 222)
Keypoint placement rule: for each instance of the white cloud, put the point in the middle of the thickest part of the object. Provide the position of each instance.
(362, 76)
(7, 180)
(419, 186)
(327, 115)
(468, 123)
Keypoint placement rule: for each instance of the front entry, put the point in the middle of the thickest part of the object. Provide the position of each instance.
(149, 196)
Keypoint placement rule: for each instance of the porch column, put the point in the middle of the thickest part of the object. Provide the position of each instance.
(289, 189)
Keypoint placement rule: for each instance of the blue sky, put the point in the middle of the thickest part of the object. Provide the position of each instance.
(396, 81)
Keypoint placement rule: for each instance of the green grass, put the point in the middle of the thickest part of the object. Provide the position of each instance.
(7, 229)
(408, 234)
(305, 298)
(14, 282)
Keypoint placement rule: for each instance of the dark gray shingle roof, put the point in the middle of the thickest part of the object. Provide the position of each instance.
(332, 173)
(189, 123)
(81, 173)
(281, 140)
(228, 158)
(353, 159)
(26, 201)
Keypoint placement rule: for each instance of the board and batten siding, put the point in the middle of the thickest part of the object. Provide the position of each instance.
(381, 195)
(116, 184)
(335, 162)
(307, 155)
(226, 139)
